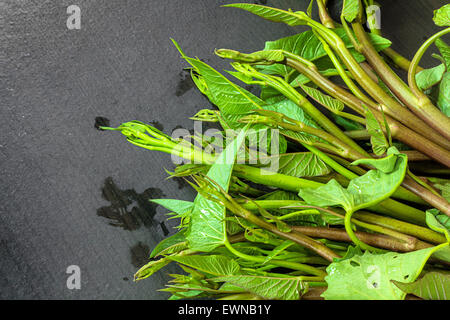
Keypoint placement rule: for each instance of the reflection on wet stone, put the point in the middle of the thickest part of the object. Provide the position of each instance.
(128, 209)
(184, 84)
(158, 125)
(139, 254)
(101, 122)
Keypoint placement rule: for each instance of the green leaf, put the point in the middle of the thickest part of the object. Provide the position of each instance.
(172, 244)
(351, 252)
(427, 78)
(443, 101)
(232, 100)
(292, 110)
(432, 286)
(444, 49)
(364, 191)
(377, 137)
(324, 99)
(442, 16)
(272, 14)
(369, 276)
(351, 10)
(278, 250)
(300, 164)
(180, 207)
(212, 264)
(291, 288)
(307, 45)
(207, 229)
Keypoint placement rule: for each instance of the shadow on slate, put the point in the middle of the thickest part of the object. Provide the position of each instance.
(73, 195)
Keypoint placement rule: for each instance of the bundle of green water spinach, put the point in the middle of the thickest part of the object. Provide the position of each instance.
(331, 182)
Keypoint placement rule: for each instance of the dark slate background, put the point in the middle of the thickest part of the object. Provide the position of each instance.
(72, 195)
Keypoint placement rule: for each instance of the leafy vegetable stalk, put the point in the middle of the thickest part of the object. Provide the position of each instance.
(312, 189)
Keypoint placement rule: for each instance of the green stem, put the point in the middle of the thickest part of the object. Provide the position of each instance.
(435, 200)
(399, 60)
(419, 232)
(324, 16)
(392, 80)
(425, 108)
(393, 108)
(379, 241)
(350, 84)
(417, 57)
(352, 235)
(358, 134)
(280, 263)
(298, 238)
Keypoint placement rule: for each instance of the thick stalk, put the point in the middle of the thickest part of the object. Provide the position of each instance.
(392, 80)
(379, 241)
(324, 16)
(393, 108)
(414, 99)
(425, 108)
(419, 232)
(433, 199)
(395, 57)
(398, 131)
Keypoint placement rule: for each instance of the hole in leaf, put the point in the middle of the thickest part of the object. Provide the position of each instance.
(394, 257)
(354, 263)
(375, 285)
(406, 277)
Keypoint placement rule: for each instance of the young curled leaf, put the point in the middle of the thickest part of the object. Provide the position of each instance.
(265, 57)
(150, 268)
(377, 138)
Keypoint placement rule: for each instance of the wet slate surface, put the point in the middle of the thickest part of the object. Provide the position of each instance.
(72, 195)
